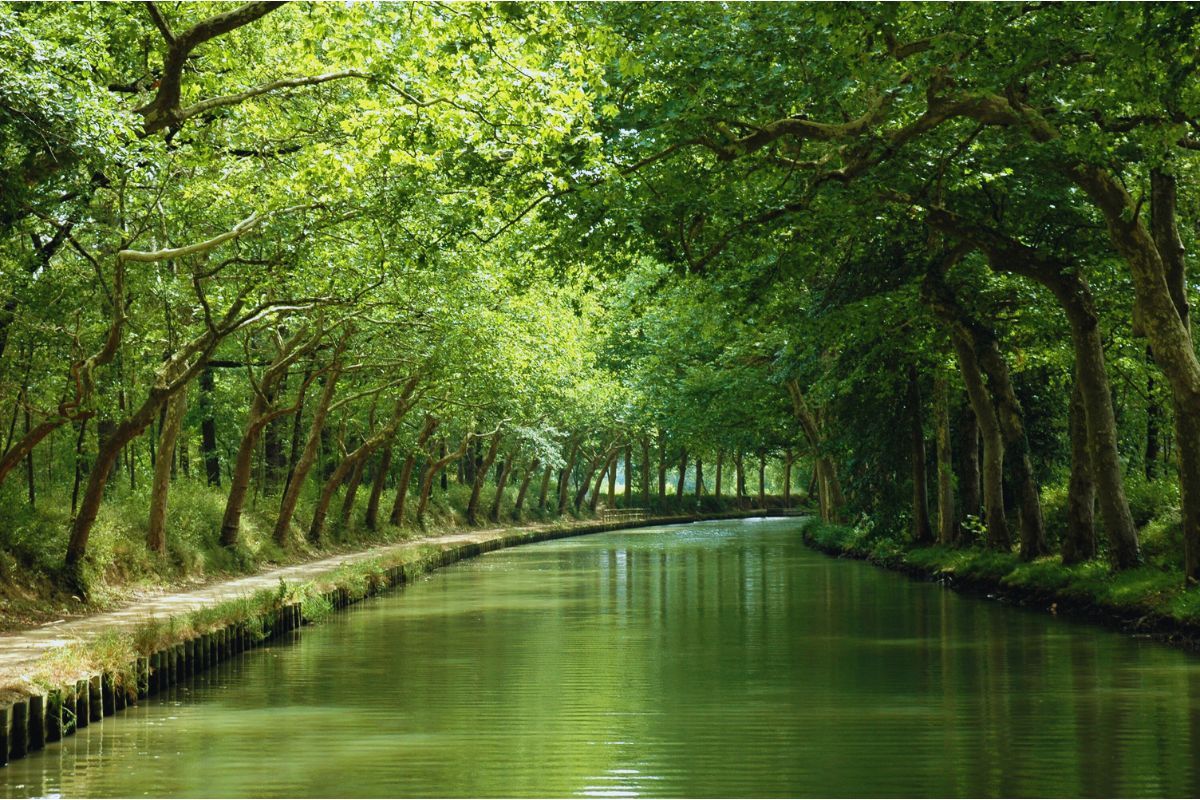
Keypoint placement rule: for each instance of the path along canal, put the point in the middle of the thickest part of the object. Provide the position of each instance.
(717, 658)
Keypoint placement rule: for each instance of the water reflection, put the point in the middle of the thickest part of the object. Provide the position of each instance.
(709, 660)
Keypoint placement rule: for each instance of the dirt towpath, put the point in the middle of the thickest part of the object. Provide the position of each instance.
(20, 651)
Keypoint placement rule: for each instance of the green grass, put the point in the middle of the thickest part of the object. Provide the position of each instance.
(1155, 589)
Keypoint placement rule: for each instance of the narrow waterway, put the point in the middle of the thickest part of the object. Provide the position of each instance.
(719, 658)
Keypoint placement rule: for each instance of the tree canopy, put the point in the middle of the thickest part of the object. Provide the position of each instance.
(268, 253)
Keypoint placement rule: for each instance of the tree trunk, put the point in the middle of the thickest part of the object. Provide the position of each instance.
(610, 464)
(79, 439)
(612, 483)
(1153, 423)
(297, 432)
(501, 482)
(993, 444)
(156, 536)
(717, 478)
(564, 480)
(431, 471)
(480, 472)
(208, 428)
(122, 434)
(829, 489)
(239, 481)
(699, 478)
(545, 487)
(525, 479)
(274, 458)
(628, 485)
(287, 507)
(597, 463)
(947, 519)
(968, 460)
(739, 481)
(352, 465)
(645, 471)
(356, 476)
(679, 484)
(381, 472)
(762, 480)
(662, 470)
(922, 531)
(397, 515)
(787, 479)
(1079, 541)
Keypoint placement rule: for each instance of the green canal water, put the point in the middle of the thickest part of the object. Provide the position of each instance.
(719, 658)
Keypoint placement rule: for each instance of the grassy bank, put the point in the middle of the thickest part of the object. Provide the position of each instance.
(118, 652)
(119, 568)
(1151, 598)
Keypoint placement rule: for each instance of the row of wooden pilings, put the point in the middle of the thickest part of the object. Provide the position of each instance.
(41, 718)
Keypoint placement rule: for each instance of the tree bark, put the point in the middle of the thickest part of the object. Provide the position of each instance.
(501, 482)
(829, 490)
(717, 477)
(431, 471)
(947, 518)
(480, 472)
(545, 487)
(699, 477)
(1079, 541)
(968, 460)
(993, 444)
(377, 484)
(645, 471)
(610, 464)
(156, 536)
(762, 480)
(564, 480)
(628, 485)
(287, 506)
(430, 425)
(679, 483)
(525, 479)
(922, 531)
(352, 464)
(208, 429)
(351, 493)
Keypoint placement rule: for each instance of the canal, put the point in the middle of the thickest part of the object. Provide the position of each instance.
(718, 658)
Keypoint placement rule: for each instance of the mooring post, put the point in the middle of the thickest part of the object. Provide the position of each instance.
(143, 677)
(95, 699)
(4, 716)
(18, 732)
(54, 715)
(121, 687)
(108, 698)
(37, 721)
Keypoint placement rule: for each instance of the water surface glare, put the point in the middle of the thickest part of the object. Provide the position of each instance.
(719, 658)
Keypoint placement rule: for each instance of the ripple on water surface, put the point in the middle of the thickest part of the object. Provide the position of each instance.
(712, 659)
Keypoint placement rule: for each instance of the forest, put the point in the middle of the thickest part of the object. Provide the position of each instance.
(278, 278)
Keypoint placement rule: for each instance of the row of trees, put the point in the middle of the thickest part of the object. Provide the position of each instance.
(290, 251)
(912, 256)
(948, 227)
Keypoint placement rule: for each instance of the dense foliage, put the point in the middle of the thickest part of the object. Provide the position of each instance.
(277, 273)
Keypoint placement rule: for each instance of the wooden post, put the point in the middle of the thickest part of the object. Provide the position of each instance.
(18, 733)
(83, 714)
(108, 699)
(4, 715)
(37, 722)
(54, 715)
(95, 699)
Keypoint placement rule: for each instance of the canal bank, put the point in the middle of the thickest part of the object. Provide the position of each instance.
(57, 679)
(1146, 601)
